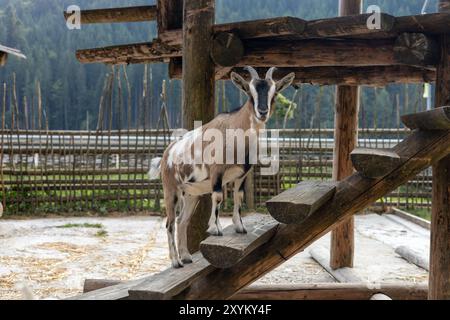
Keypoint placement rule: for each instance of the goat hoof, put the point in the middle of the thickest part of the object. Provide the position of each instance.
(241, 230)
(177, 264)
(186, 260)
(215, 232)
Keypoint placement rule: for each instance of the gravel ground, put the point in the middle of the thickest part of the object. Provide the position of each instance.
(52, 257)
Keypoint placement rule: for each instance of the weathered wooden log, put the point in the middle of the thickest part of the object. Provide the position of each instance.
(345, 274)
(346, 139)
(170, 16)
(332, 291)
(227, 49)
(374, 163)
(296, 204)
(130, 53)
(226, 251)
(328, 291)
(380, 296)
(352, 195)
(248, 29)
(353, 76)
(198, 91)
(413, 257)
(416, 49)
(436, 119)
(3, 58)
(114, 15)
(439, 279)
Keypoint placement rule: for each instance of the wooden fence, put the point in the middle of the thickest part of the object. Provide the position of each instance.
(102, 171)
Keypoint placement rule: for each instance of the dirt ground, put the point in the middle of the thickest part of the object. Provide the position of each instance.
(53, 256)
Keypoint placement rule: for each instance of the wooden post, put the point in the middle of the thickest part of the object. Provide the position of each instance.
(198, 90)
(346, 139)
(439, 279)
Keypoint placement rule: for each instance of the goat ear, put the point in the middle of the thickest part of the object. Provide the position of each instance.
(285, 82)
(240, 82)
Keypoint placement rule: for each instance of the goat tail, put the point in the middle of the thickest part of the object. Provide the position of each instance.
(155, 169)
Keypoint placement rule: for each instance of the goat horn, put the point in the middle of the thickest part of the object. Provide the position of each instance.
(269, 74)
(252, 72)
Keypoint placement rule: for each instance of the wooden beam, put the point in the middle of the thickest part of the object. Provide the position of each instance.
(353, 76)
(437, 119)
(332, 291)
(439, 279)
(198, 91)
(226, 251)
(170, 16)
(346, 139)
(115, 15)
(143, 52)
(300, 202)
(326, 291)
(419, 150)
(374, 163)
(247, 29)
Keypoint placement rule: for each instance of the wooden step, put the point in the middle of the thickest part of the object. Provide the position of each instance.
(171, 281)
(295, 205)
(374, 163)
(226, 251)
(436, 119)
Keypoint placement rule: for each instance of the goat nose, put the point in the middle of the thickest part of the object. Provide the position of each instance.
(263, 113)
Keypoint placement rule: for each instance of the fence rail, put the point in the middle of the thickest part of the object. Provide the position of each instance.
(65, 171)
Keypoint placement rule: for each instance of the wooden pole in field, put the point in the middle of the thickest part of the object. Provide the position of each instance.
(346, 139)
(439, 280)
(198, 90)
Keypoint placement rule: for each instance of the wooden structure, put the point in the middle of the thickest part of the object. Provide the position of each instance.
(5, 51)
(342, 51)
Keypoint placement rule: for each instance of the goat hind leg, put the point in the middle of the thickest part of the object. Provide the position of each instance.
(171, 214)
(190, 203)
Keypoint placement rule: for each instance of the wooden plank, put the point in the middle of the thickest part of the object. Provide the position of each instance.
(344, 274)
(226, 251)
(436, 119)
(172, 281)
(346, 139)
(374, 163)
(129, 53)
(352, 195)
(332, 291)
(380, 296)
(300, 202)
(115, 15)
(115, 292)
(413, 257)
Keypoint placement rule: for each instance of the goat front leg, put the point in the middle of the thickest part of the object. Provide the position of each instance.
(190, 203)
(238, 198)
(214, 226)
(171, 202)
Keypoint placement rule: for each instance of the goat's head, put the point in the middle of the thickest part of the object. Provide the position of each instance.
(262, 92)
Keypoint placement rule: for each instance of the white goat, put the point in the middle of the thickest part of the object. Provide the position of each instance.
(184, 182)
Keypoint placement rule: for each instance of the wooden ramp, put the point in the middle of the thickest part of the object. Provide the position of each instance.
(269, 244)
